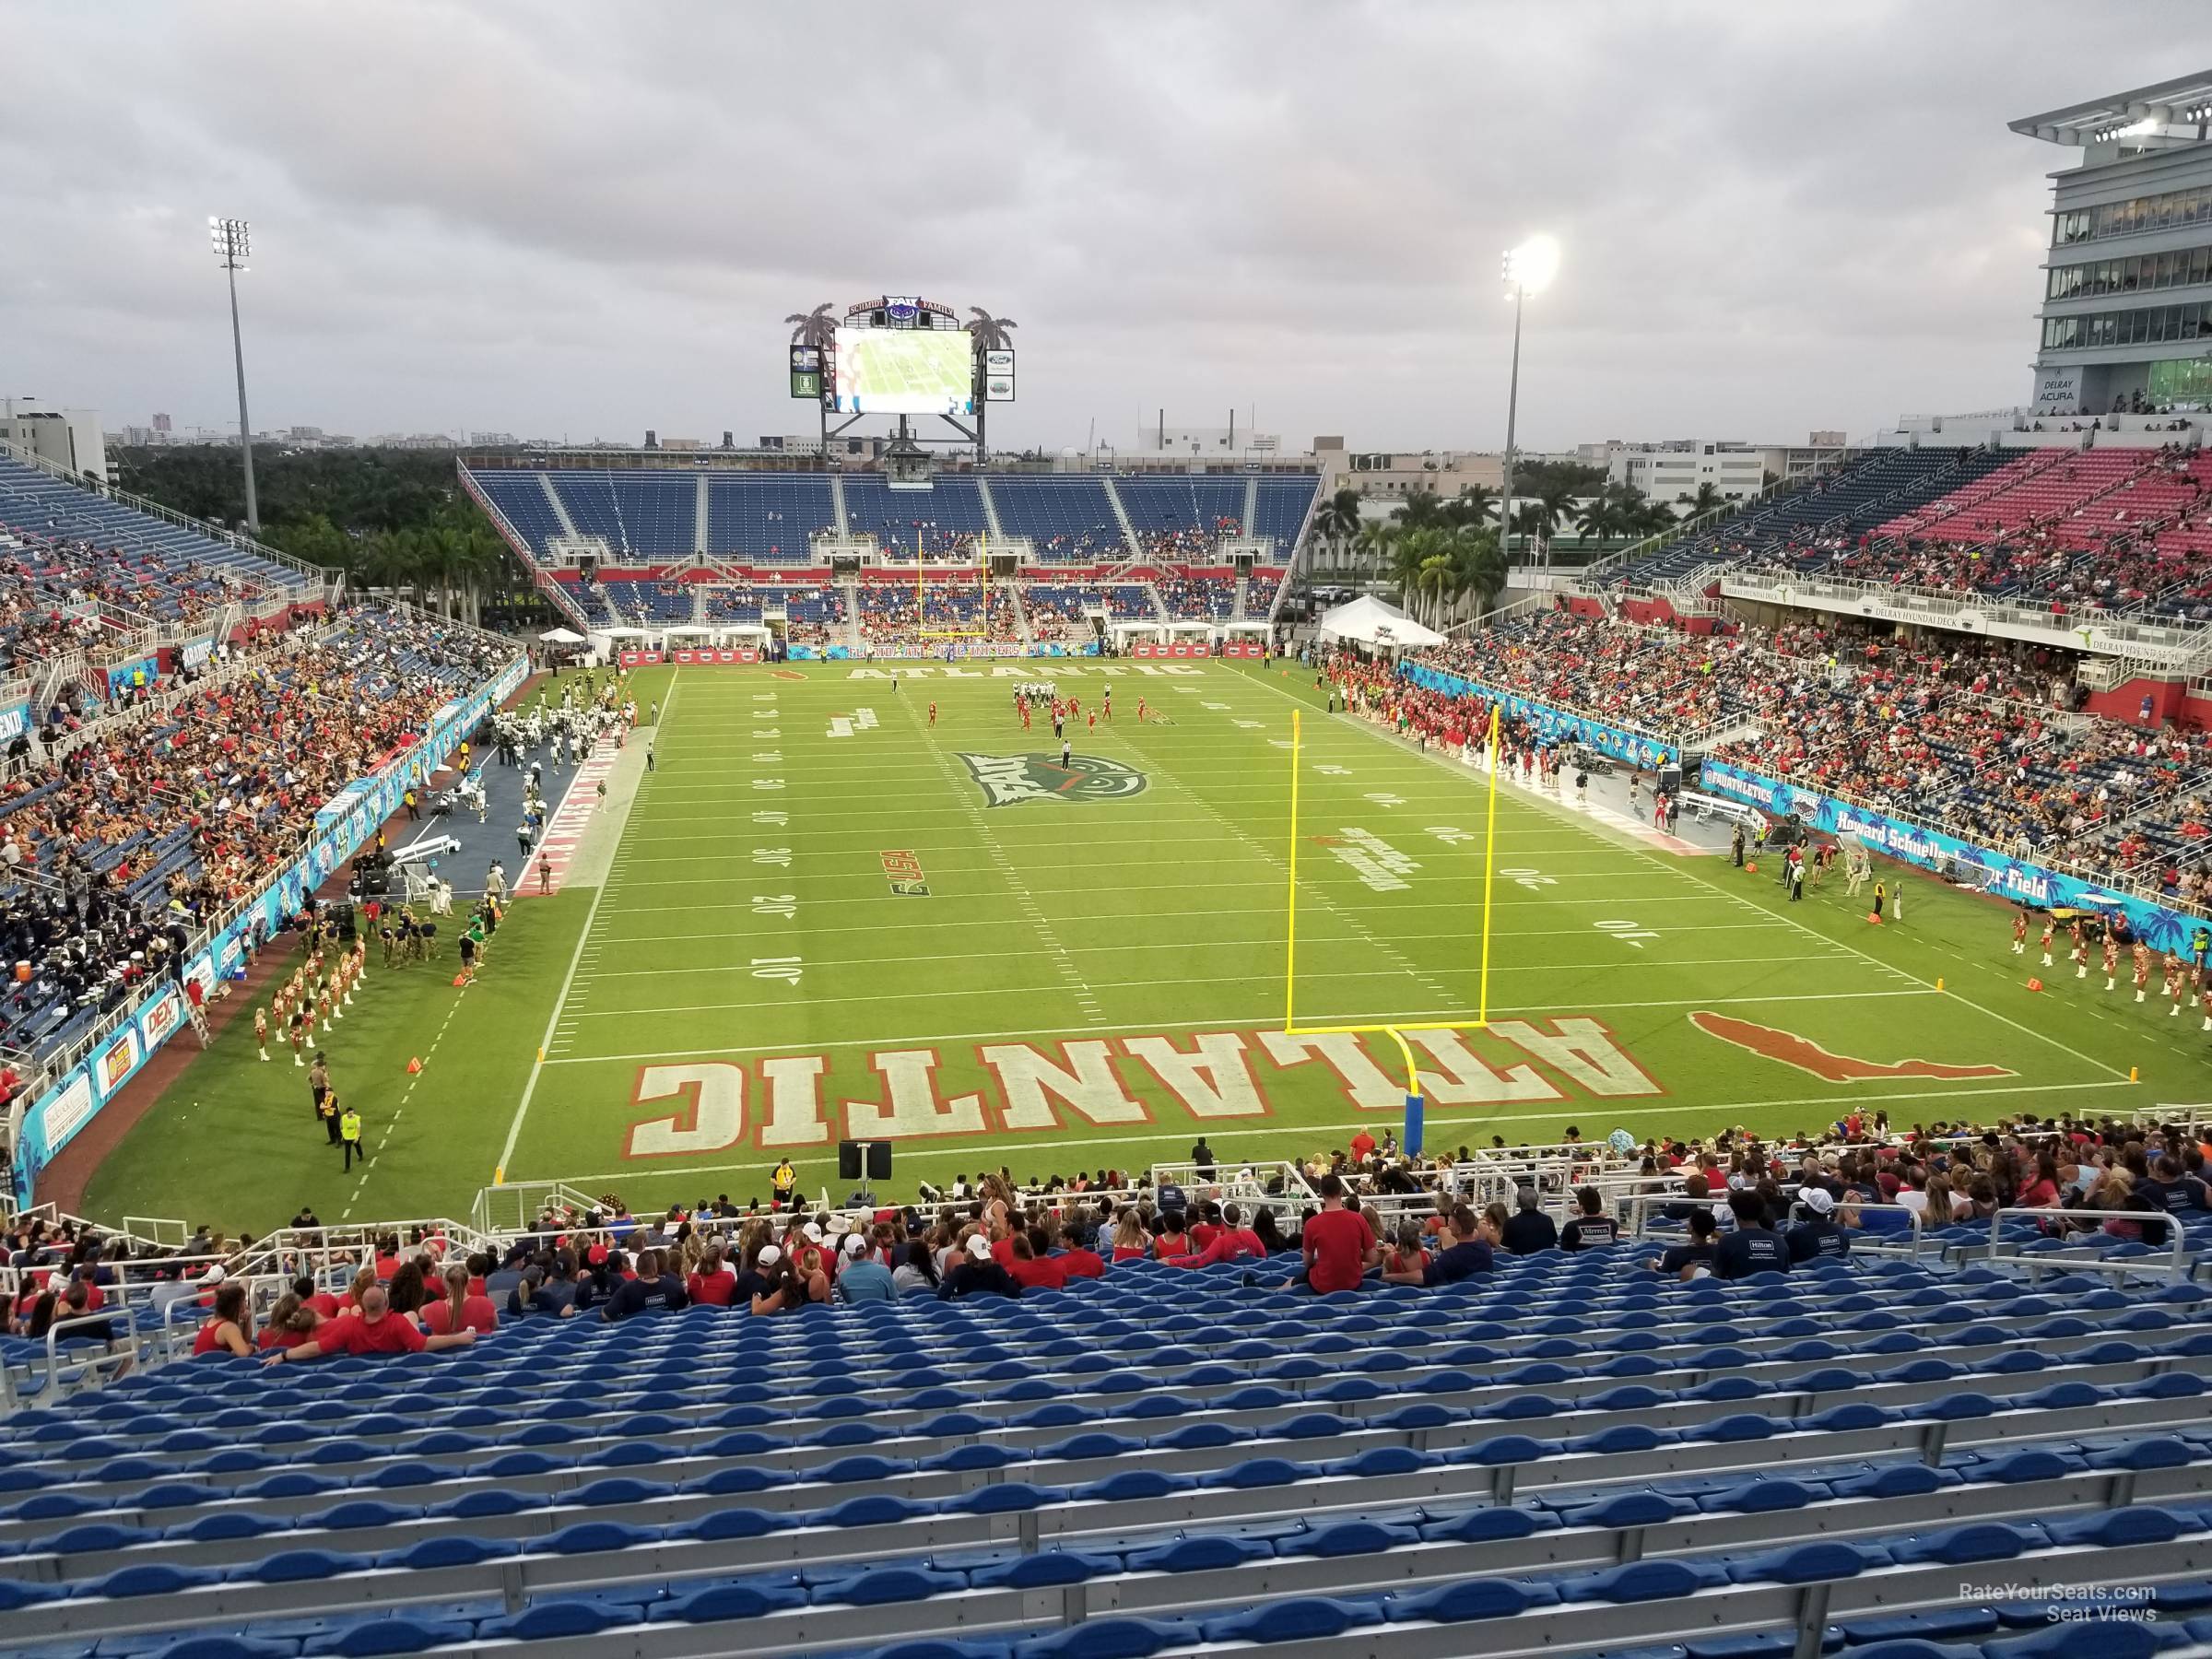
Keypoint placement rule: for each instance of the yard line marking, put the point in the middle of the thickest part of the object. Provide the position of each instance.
(1525, 902)
(1519, 1008)
(1549, 930)
(995, 955)
(567, 984)
(1441, 1123)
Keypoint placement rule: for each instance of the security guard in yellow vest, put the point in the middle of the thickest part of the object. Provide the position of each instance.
(784, 1180)
(349, 1134)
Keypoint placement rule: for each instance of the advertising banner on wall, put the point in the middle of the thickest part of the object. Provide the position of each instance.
(1553, 726)
(58, 1115)
(121, 675)
(2015, 880)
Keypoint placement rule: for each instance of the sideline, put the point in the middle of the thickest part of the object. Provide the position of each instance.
(568, 984)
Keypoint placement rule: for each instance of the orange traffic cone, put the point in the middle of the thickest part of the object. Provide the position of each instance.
(414, 1064)
(460, 980)
(1875, 917)
(2035, 984)
(1751, 868)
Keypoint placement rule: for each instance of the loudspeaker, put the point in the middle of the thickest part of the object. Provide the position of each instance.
(848, 1160)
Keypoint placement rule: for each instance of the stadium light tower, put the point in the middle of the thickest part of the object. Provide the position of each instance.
(1529, 269)
(234, 244)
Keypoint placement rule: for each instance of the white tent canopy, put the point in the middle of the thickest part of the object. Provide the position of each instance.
(1370, 622)
(561, 635)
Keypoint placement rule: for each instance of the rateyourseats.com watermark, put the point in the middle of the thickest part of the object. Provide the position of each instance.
(2074, 1604)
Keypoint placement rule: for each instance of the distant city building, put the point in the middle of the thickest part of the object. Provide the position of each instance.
(2126, 322)
(491, 440)
(1203, 442)
(162, 425)
(1390, 475)
(1671, 469)
(67, 437)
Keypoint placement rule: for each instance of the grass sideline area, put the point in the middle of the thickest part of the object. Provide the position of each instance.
(1094, 973)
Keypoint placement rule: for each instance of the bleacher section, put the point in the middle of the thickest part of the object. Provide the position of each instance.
(1284, 504)
(766, 518)
(1069, 520)
(1181, 517)
(641, 515)
(1804, 526)
(1160, 1460)
(648, 604)
(946, 518)
(61, 546)
(522, 502)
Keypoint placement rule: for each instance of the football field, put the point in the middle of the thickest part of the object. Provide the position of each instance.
(829, 918)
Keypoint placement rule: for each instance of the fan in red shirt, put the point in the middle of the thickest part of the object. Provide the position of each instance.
(1363, 1146)
(460, 1308)
(1031, 1271)
(375, 1330)
(1230, 1241)
(712, 1284)
(225, 1331)
(324, 1304)
(1339, 1245)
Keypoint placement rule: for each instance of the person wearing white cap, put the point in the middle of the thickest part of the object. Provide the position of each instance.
(974, 1272)
(1818, 1237)
(860, 1278)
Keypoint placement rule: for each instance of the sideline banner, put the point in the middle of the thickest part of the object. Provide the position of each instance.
(73, 1099)
(2015, 880)
(1243, 648)
(1553, 726)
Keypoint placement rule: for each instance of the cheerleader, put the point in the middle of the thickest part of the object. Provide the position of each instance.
(261, 1031)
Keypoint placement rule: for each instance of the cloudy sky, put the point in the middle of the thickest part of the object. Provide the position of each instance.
(588, 220)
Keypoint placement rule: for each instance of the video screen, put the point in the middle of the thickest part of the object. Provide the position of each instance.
(904, 371)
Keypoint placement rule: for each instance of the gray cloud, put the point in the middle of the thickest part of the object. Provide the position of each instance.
(589, 219)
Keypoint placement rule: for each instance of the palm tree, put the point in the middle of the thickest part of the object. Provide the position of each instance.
(1376, 544)
(1541, 510)
(988, 331)
(1601, 518)
(1419, 509)
(1481, 566)
(1336, 522)
(1475, 505)
(1708, 499)
(817, 328)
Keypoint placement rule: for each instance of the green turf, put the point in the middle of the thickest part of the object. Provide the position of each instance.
(1099, 923)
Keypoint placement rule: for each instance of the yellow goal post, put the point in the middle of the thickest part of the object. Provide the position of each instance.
(1394, 1030)
(955, 579)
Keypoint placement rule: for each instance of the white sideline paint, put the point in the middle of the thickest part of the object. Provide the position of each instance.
(567, 984)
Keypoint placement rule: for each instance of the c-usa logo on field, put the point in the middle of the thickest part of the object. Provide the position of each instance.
(1008, 780)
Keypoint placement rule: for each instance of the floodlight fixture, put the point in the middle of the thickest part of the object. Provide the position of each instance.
(232, 240)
